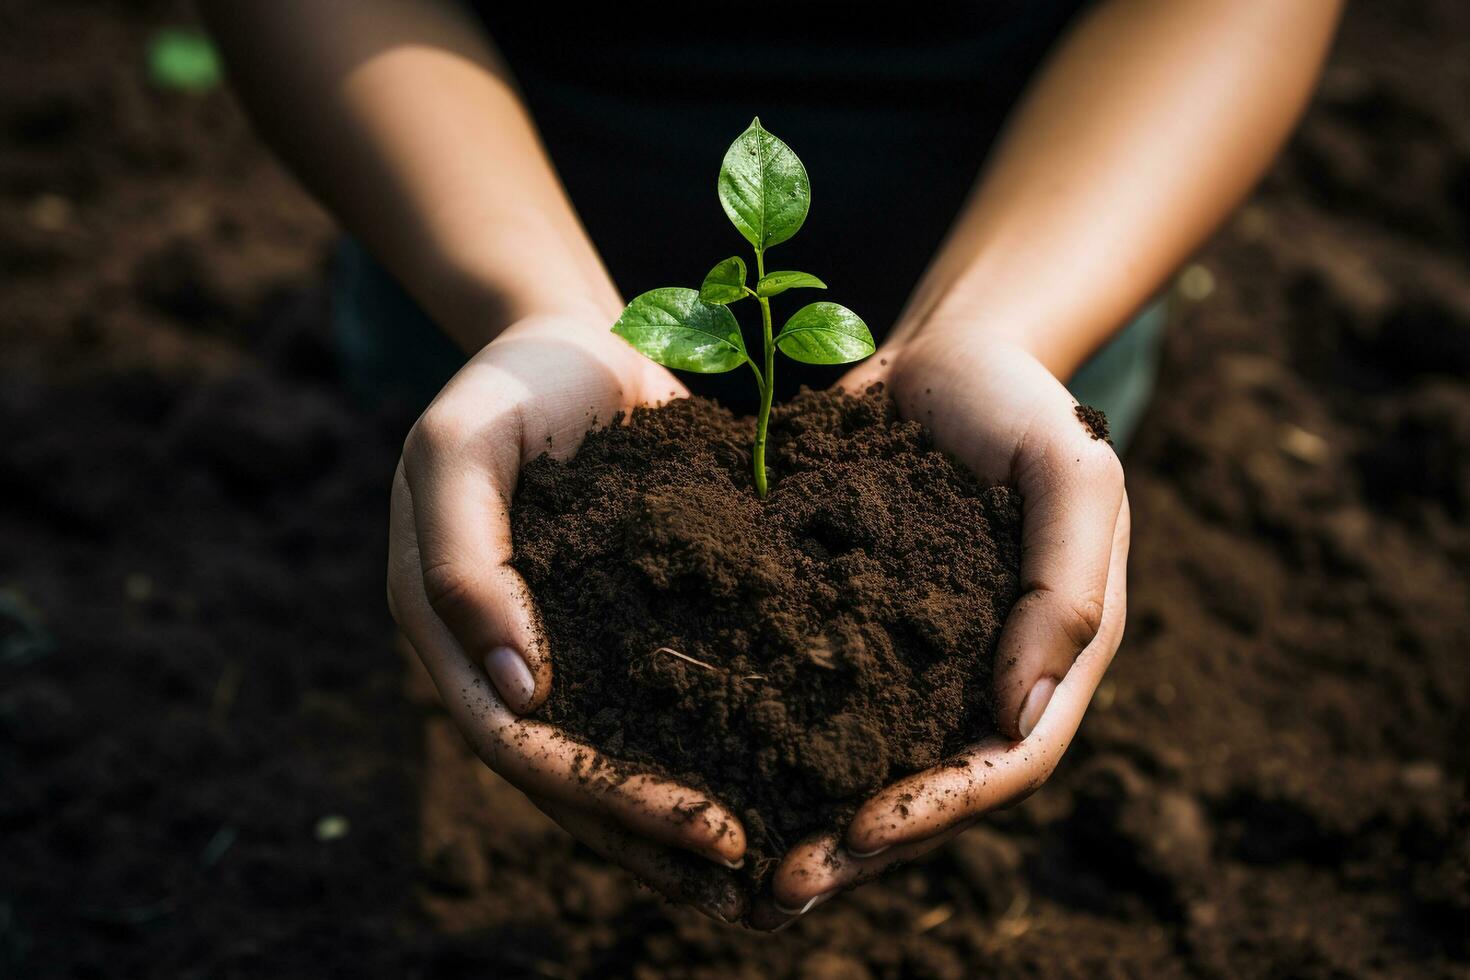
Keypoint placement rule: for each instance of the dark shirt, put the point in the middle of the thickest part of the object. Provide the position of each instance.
(891, 107)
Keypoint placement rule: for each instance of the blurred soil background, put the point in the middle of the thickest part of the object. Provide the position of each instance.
(214, 762)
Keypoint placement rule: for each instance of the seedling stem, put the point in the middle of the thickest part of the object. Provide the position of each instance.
(764, 190)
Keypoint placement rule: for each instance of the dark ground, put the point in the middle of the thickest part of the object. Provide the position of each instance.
(199, 682)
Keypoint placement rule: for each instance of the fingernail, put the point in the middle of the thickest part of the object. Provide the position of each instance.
(733, 865)
(511, 677)
(1035, 705)
(810, 903)
(867, 854)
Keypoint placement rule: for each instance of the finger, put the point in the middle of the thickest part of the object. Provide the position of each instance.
(539, 758)
(999, 772)
(818, 868)
(460, 481)
(679, 876)
(1071, 488)
(866, 373)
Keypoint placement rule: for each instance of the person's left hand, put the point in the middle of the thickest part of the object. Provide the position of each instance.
(1011, 422)
(538, 387)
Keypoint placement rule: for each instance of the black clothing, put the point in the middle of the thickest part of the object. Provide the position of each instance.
(891, 108)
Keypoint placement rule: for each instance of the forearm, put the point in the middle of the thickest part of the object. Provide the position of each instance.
(1149, 124)
(402, 119)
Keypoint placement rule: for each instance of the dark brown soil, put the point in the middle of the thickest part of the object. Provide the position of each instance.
(790, 656)
(196, 665)
(1095, 420)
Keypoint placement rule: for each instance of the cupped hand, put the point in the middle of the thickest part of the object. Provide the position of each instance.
(537, 388)
(1003, 414)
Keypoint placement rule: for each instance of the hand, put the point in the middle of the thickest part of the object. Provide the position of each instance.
(1010, 421)
(538, 387)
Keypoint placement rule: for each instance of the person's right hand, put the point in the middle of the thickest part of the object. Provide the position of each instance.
(537, 388)
(1008, 419)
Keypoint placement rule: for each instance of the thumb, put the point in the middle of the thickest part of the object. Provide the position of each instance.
(514, 679)
(1072, 498)
(462, 525)
(875, 368)
(489, 609)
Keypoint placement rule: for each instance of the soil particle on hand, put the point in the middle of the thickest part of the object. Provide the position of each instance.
(788, 656)
(1095, 421)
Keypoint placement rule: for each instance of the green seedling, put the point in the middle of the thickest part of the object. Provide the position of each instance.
(764, 190)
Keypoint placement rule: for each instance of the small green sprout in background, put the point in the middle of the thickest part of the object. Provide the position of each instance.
(182, 60)
(764, 190)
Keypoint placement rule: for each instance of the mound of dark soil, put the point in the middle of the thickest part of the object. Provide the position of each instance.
(790, 656)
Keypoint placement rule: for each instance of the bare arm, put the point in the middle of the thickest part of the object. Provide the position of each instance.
(1150, 123)
(405, 122)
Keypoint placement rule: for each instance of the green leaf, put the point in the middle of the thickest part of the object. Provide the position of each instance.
(725, 282)
(825, 333)
(763, 188)
(674, 327)
(776, 283)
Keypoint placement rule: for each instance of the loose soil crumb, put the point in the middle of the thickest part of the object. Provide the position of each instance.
(790, 656)
(1095, 421)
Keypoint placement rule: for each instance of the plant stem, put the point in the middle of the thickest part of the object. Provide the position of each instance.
(768, 387)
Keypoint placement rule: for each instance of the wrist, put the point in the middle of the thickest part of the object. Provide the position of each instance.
(477, 291)
(481, 310)
(958, 319)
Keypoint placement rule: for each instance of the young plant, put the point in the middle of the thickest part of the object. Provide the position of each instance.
(764, 190)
